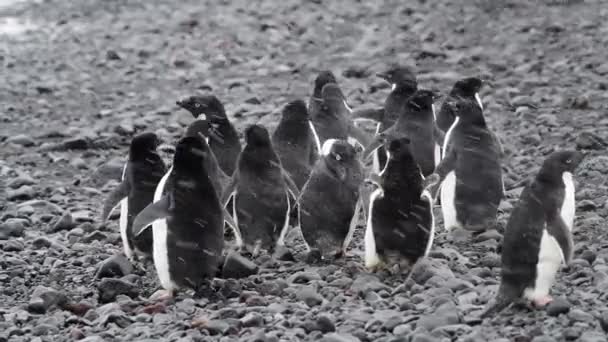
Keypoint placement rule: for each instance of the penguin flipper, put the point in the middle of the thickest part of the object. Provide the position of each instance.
(372, 114)
(291, 185)
(558, 229)
(356, 133)
(439, 134)
(373, 146)
(229, 189)
(154, 211)
(121, 191)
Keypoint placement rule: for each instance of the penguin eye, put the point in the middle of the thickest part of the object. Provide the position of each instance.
(337, 156)
(197, 105)
(568, 161)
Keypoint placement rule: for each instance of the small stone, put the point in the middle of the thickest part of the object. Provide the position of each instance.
(236, 267)
(588, 255)
(252, 319)
(422, 337)
(579, 315)
(115, 266)
(309, 296)
(112, 55)
(586, 205)
(488, 235)
(604, 321)
(592, 336)
(11, 228)
(214, 327)
(580, 102)
(24, 192)
(78, 143)
(13, 246)
(65, 222)
(558, 306)
(23, 179)
(366, 283)
(303, 277)
(325, 324)
(110, 288)
(402, 330)
(44, 298)
(339, 337)
(22, 140)
(446, 314)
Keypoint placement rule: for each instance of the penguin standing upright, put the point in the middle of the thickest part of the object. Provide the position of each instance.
(141, 174)
(467, 88)
(470, 173)
(187, 222)
(260, 188)
(538, 237)
(223, 137)
(332, 120)
(403, 85)
(415, 122)
(400, 223)
(294, 142)
(329, 204)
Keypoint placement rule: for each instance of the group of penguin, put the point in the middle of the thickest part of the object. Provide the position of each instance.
(315, 164)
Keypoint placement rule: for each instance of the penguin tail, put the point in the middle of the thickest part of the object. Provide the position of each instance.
(502, 300)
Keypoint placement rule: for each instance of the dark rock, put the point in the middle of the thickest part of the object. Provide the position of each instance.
(79, 143)
(13, 246)
(309, 296)
(65, 222)
(590, 141)
(586, 205)
(110, 288)
(112, 55)
(588, 255)
(236, 266)
(488, 235)
(356, 72)
(115, 266)
(11, 228)
(325, 324)
(25, 192)
(282, 253)
(117, 317)
(44, 298)
(558, 306)
(303, 277)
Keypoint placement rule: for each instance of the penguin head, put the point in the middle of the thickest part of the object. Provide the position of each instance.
(207, 106)
(400, 76)
(323, 78)
(333, 98)
(559, 162)
(257, 135)
(399, 148)
(467, 87)
(468, 110)
(338, 155)
(422, 100)
(295, 110)
(199, 128)
(143, 144)
(190, 155)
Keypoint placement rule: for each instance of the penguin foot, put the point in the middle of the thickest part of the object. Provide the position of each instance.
(162, 295)
(542, 301)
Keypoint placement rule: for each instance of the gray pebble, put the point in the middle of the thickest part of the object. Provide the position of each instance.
(558, 306)
(342, 337)
(325, 323)
(309, 296)
(22, 140)
(114, 267)
(109, 288)
(65, 222)
(24, 192)
(446, 314)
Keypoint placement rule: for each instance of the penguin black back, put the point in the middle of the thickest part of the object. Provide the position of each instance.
(199, 129)
(466, 88)
(223, 137)
(294, 142)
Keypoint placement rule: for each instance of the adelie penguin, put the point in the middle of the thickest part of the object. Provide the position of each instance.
(141, 174)
(470, 173)
(187, 222)
(400, 223)
(294, 142)
(330, 203)
(467, 88)
(332, 120)
(261, 190)
(415, 122)
(403, 85)
(223, 137)
(538, 237)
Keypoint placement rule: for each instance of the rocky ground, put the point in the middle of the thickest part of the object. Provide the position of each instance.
(90, 74)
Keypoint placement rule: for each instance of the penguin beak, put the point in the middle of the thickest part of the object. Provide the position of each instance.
(167, 148)
(181, 103)
(382, 75)
(341, 172)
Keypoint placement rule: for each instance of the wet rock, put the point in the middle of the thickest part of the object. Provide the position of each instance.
(309, 296)
(110, 288)
(24, 192)
(65, 222)
(11, 228)
(115, 266)
(78, 143)
(558, 306)
(22, 140)
(236, 266)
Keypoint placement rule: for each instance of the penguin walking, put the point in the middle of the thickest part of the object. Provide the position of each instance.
(295, 143)
(415, 122)
(141, 174)
(223, 137)
(400, 222)
(330, 203)
(467, 88)
(333, 121)
(403, 85)
(470, 173)
(538, 237)
(260, 189)
(187, 222)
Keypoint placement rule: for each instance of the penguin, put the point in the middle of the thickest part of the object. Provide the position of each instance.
(415, 122)
(538, 237)
(315, 102)
(467, 88)
(403, 85)
(400, 223)
(294, 142)
(470, 173)
(261, 190)
(332, 120)
(187, 222)
(223, 137)
(330, 203)
(140, 175)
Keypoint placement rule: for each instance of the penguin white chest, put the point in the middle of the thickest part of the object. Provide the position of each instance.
(315, 135)
(448, 201)
(446, 139)
(371, 256)
(159, 234)
(568, 207)
(549, 260)
(124, 217)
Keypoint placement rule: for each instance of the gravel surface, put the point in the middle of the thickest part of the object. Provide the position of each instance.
(89, 74)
